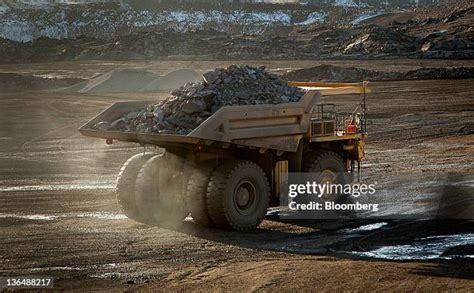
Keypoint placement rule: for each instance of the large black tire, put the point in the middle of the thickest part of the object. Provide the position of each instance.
(159, 190)
(238, 195)
(326, 161)
(196, 193)
(125, 189)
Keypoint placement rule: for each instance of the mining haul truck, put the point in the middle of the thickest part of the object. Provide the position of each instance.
(228, 171)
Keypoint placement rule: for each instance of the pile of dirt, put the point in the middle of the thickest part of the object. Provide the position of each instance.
(439, 73)
(119, 80)
(172, 80)
(11, 82)
(337, 73)
(134, 80)
(354, 74)
(443, 32)
(443, 45)
(193, 103)
(380, 40)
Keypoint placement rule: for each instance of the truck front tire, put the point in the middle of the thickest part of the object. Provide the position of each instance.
(238, 194)
(330, 168)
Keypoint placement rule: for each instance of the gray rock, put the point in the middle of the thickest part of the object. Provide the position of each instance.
(149, 115)
(132, 115)
(285, 99)
(210, 77)
(118, 124)
(194, 106)
(159, 113)
(193, 103)
(102, 125)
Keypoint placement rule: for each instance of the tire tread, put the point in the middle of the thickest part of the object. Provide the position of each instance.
(125, 184)
(196, 193)
(216, 192)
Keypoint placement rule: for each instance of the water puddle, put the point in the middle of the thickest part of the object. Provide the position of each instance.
(40, 217)
(75, 268)
(59, 187)
(399, 241)
(29, 217)
(368, 227)
(65, 268)
(112, 275)
(435, 247)
(100, 215)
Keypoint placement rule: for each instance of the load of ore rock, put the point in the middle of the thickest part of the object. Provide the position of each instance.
(193, 103)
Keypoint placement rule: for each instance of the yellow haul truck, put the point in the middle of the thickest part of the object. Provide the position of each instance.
(227, 172)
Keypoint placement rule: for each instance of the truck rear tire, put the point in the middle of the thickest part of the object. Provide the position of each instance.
(159, 191)
(331, 169)
(196, 193)
(125, 189)
(238, 195)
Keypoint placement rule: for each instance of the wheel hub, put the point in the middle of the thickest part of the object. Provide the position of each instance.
(328, 177)
(244, 196)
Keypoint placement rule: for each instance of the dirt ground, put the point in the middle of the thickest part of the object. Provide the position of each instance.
(59, 217)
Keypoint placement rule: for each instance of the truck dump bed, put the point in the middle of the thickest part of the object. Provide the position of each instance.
(277, 127)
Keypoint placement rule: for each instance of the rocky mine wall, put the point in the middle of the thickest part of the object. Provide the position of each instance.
(125, 34)
(105, 22)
